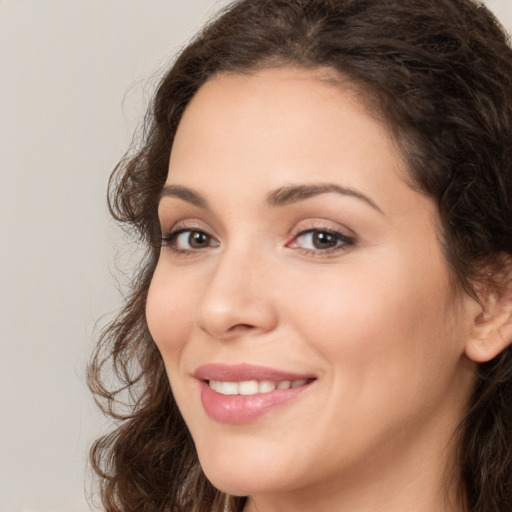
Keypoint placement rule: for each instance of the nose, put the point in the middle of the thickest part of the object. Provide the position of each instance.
(238, 298)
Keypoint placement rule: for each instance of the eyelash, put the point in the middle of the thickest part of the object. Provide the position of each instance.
(341, 241)
(171, 240)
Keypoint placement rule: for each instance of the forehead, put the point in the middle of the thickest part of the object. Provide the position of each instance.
(280, 126)
(274, 96)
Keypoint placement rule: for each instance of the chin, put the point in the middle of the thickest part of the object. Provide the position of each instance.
(247, 480)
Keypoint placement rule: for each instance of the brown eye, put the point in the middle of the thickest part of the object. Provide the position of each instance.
(186, 240)
(321, 240)
(324, 240)
(198, 239)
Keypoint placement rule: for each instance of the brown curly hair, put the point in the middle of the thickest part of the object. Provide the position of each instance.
(439, 72)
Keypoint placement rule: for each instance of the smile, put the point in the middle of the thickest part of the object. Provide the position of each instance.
(253, 387)
(239, 394)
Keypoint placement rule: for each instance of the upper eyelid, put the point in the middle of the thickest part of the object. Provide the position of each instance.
(322, 230)
(319, 224)
(177, 230)
(344, 237)
(184, 223)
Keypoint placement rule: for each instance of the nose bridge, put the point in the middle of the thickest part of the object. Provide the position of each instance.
(238, 297)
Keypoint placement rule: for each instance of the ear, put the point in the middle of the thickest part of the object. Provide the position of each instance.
(492, 327)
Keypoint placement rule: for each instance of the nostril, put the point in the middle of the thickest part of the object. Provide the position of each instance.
(242, 327)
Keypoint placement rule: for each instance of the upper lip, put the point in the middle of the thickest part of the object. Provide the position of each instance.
(245, 372)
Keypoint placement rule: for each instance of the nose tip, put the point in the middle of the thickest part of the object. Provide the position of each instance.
(236, 302)
(225, 323)
(229, 316)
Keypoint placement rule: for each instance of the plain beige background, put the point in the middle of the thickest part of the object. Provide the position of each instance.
(73, 85)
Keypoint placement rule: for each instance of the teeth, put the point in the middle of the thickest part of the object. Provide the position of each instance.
(229, 388)
(266, 386)
(253, 387)
(248, 387)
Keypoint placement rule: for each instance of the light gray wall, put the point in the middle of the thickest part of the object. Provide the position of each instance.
(72, 90)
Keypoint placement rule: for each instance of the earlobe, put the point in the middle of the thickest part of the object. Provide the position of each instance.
(492, 328)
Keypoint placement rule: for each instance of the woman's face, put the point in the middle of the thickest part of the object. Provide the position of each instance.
(301, 303)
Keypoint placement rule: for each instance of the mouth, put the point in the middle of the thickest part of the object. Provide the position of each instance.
(243, 393)
(254, 387)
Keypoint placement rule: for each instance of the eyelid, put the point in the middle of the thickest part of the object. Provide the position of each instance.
(343, 238)
(322, 224)
(171, 234)
(167, 227)
(346, 238)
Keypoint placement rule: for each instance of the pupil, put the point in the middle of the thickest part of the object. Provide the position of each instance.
(198, 239)
(323, 240)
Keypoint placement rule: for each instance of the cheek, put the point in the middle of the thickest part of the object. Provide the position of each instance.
(390, 346)
(168, 315)
(376, 321)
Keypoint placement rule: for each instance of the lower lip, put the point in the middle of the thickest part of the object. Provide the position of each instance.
(240, 409)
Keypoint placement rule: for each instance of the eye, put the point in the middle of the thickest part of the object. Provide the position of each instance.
(187, 240)
(321, 240)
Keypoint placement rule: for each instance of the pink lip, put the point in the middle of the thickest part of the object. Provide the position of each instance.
(240, 409)
(240, 372)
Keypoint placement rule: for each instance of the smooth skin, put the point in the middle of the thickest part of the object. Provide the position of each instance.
(348, 284)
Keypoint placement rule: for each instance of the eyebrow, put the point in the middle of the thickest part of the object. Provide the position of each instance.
(186, 194)
(279, 197)
(295, 193)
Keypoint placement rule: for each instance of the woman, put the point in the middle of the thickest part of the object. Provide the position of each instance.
(323, 320)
